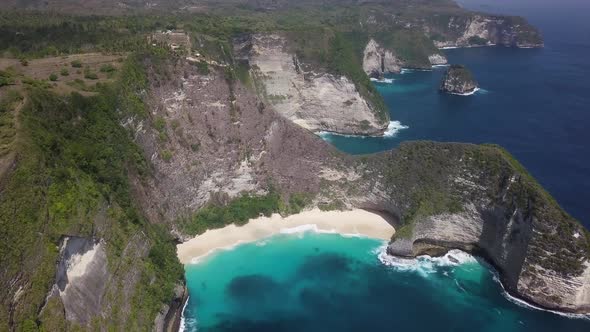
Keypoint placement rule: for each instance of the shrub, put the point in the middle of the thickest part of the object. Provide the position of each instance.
(77, 64)
(53, 77)
(203, 67)
(64, 72)
(166, 155)
(89, 74)
(107, 68)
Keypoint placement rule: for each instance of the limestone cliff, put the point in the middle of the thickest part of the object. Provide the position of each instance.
(444, 196)
(379, 60)
(314, 99)
(458, 80)
(486, 30)
(484, 202)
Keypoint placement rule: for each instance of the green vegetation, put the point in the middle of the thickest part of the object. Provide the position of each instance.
(64, 72)
(8, 103)
(202, 67)
(411, 46)
(477, 40)
(107, 68)
(238, 211)
(89, 74)
(166, 155)
(339, 53)
(75, 173)
(53, 77)
(77, 64)
(6, 78)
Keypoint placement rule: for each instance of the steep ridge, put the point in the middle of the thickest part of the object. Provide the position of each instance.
(311, 97)
(445, 196)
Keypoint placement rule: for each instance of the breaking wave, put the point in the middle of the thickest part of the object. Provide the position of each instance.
(393, 128)
(383, 80)
(424, 265)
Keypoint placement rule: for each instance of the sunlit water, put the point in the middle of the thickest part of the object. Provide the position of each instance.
(326, 282)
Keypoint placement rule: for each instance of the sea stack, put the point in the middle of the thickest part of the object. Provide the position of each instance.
(458, 81)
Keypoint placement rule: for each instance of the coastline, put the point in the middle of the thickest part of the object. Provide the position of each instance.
(351, 223)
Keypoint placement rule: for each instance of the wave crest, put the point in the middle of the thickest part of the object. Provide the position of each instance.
(424, 265)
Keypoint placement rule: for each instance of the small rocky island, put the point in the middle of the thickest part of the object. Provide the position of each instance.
(459, 81)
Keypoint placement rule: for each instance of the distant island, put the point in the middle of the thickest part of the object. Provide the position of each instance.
(458, 80)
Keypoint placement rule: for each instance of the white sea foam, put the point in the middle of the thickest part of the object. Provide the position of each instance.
(198, 259)
(441, 66)
(468, 93)
(383, 80)
(411, 70)
(393, 128)
(424, 265)
(182, 326)
(315, 229)
(527, 305)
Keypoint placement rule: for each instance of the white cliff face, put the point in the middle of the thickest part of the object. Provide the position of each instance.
(378, 61)
(316, 101)
(437, 60)
(82, 277)
(489, 30)
(546, 285)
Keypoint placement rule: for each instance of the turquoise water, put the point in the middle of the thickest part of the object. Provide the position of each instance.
(326, 282)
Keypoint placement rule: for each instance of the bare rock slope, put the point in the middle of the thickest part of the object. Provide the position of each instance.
(314, 99)
(444, 196)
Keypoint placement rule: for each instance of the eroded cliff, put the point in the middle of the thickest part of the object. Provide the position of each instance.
(310, 96)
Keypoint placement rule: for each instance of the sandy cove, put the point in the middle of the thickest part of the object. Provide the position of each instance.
(355, 222)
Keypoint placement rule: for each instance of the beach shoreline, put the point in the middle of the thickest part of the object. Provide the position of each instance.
(348, 223)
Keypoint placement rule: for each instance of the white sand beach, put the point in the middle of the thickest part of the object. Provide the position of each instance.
(355, 222)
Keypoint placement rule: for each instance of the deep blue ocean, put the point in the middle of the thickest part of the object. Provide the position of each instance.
(534, 102)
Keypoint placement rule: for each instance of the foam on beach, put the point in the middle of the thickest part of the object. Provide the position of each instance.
(348, 223)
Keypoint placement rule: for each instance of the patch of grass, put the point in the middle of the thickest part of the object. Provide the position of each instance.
(238, 211)
(89, 74)
(53, 77)
(64, 72)
(6, 78)
(202, 67)
(166, 155)
(76, 159)
(76, 64)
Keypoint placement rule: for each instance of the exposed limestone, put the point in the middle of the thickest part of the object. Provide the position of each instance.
(318, 101)
(81, 278)
(437, 60)
(378, 61)
(481, 30)
(458, 80)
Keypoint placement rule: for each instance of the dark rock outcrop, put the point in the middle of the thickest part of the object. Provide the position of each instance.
(458, 80)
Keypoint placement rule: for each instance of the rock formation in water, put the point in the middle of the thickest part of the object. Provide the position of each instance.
(458, 80)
